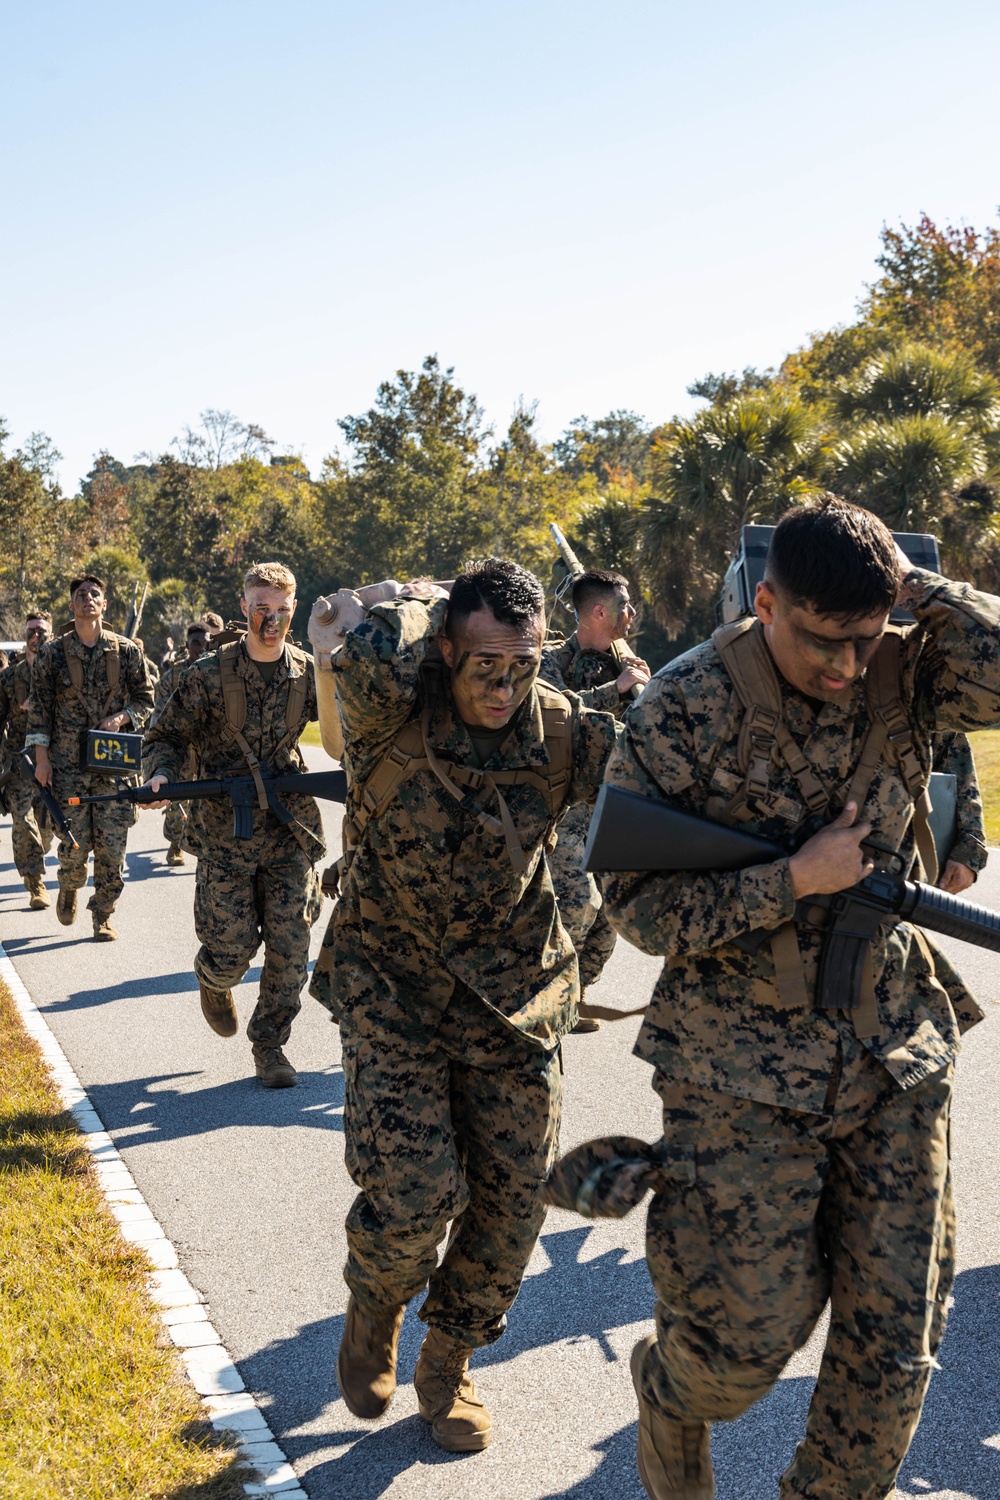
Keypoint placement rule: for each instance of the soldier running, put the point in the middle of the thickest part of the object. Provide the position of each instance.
(449, 972)
(808, 1148)
(31, 833)
(88, 678)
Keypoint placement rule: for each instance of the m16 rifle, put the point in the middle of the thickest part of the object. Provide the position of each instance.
(23, 766)
(564, 592)
(630, 832)
(242, 791)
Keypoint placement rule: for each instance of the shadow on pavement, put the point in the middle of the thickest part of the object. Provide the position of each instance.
(141, 1110)
(183, 982)
(295, 1381)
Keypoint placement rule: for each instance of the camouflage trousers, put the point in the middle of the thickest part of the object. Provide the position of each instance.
(174, 822)
(237, 906)
(786, 1210)
(462, 1125)
(31, 832)
(581, 902)
(101, 830)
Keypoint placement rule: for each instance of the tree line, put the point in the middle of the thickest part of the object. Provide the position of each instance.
(898, 410)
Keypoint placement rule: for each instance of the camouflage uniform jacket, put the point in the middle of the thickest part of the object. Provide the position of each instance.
(431, 898)
(592, 675)
(168, 680)
(13, 712)
(194, 718)
(953, 755)
(716, 1019)
(56, 715)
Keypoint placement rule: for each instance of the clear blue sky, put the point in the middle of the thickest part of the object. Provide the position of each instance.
(271, 207)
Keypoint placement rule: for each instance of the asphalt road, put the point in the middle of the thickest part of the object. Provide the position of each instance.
(250, 1186)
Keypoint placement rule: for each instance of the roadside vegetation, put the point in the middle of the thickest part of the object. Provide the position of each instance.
(986, 749)
(93, 1406)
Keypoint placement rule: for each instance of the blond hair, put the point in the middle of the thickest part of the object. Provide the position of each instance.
(268, 575)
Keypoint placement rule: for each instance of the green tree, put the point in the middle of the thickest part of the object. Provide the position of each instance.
(903, 469)
(611, 449)
(917, 380)
(730, 465)
(400, 506)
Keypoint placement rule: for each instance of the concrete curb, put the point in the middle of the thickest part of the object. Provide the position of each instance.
(228, 1405)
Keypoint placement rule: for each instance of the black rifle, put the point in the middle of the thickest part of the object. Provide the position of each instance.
(630, 832)
(23, 765)
(330, 786)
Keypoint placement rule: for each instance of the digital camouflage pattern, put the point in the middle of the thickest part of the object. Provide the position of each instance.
(453, 980)
(593, 676)
(715, 1018)
(819, 1161)
(953, 755)
(460, 1126)
(853, 1204)
(31, 834)
(175, 816)
(431, 899)
(57, 717)
(247, 891)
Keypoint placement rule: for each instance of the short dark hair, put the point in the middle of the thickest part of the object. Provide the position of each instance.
(75, 583)
(202, 626)
(834, 557)
(37, 614)
(508, 591)
(595, 587)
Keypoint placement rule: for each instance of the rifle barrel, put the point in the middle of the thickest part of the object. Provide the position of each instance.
(938, 911)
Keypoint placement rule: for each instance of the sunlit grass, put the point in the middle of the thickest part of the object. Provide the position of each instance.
(93, 1406)
(986, 749)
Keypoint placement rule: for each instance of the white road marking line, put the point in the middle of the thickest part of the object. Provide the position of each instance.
(229, 1406)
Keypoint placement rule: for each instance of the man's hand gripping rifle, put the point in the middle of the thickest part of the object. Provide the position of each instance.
(630, 832)
(23, 765)
(329, 786)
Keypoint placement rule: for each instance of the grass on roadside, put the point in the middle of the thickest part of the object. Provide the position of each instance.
(92, 1405)
(310, 735)
(986, 749)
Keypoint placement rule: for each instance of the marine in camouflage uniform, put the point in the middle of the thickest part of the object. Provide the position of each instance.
(453, 981)
(31, 832)
(265, 888)
(176, 815)
(59, 714)
(604, 682)
(809, 1151)
(968, 855)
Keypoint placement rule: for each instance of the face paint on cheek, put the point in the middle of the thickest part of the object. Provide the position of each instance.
(262, 622)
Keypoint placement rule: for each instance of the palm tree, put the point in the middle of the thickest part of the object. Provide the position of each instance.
(742, 461)
(917, 380)
(904, 468)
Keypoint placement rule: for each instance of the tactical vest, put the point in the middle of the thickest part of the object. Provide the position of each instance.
(764, 738)
(234, 695)
(410, 753)
(112, 667)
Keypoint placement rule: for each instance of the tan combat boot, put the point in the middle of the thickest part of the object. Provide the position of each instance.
(103, 930)
(272, 1067)
(175, 855)
(219, 1010)
(447, 1398)
(674, 1458)
(366, 1363)
(35, 886)
(66, 907)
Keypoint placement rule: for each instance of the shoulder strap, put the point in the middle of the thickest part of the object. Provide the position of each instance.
(763, 734)
(112, 664)
(234, 689)
(410, 753)
(21, 690)
(891, 737)
(74, 667)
